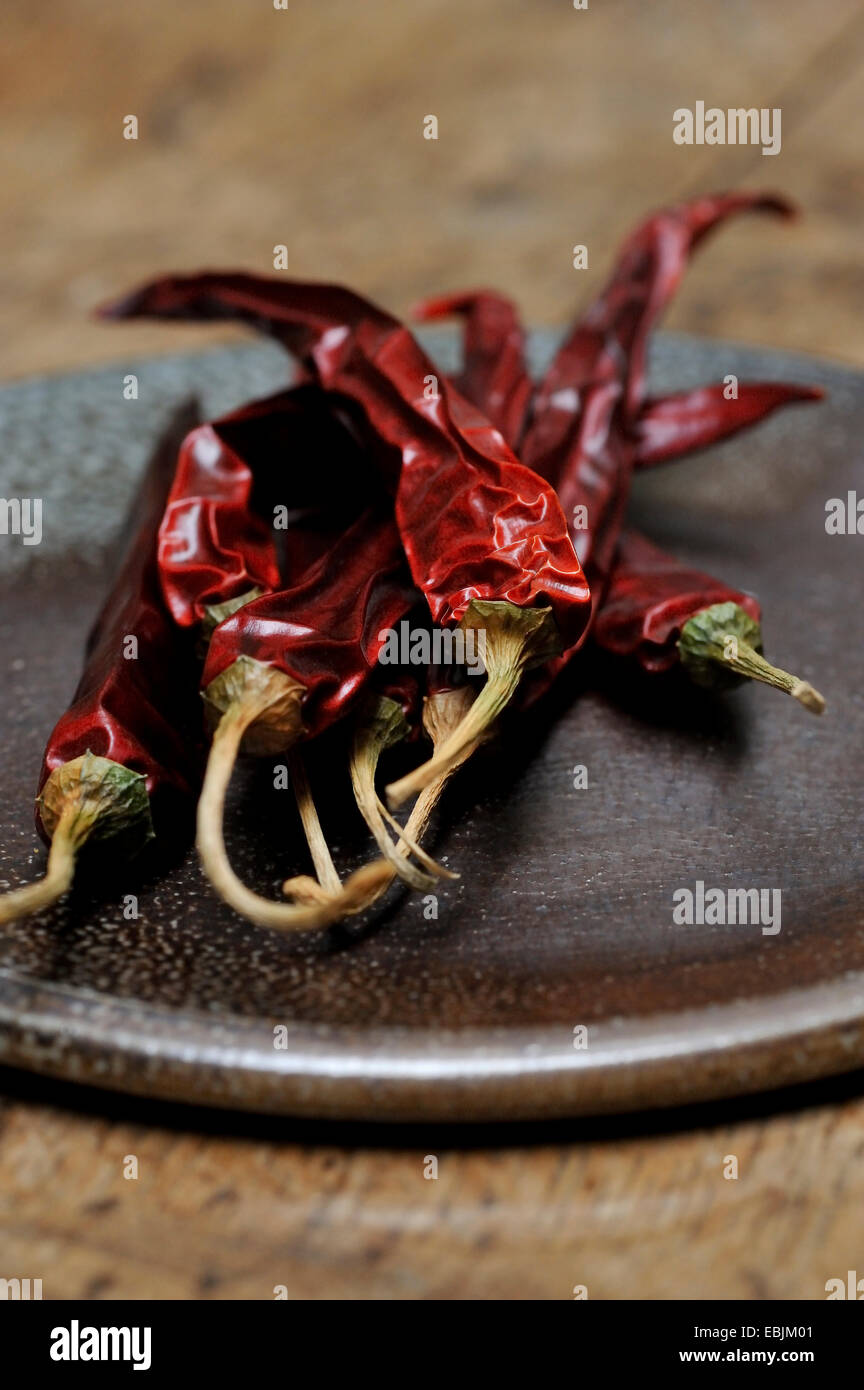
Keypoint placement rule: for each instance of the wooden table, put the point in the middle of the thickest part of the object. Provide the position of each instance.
(260, 127)
(226, 1207)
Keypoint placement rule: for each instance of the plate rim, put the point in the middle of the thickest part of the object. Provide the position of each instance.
(469, 1075)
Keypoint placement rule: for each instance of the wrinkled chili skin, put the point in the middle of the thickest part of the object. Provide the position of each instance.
(581, 435)
(213, 546)
(494, 376)
(609, 343)
(650, 597)
(501, 535)
(142, 712)
(302, 451)
(576, 486)
(585, 486)
(669, 426)
(326, 632)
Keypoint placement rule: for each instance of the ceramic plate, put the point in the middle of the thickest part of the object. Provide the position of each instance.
(562, 919)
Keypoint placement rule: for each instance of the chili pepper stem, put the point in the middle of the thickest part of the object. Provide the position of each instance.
(402, 834)
(322, 859)
(89, 796)
(442, 713)
(211, 846)
(383, 725)
(492, 700)
(514, 640)
(65, 842)
(303, 888)
(725, 639)
(749, 663)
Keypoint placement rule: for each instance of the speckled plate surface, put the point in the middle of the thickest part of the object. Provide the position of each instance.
(563, 914)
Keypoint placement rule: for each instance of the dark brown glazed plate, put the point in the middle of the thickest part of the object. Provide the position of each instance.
(563, 917)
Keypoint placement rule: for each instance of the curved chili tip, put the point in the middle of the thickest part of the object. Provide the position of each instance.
(719, 203)
(702, 216)
(445, 306)
(160, 298)
(669, 427)
(779, 203)
(126, 307)
(122, 308)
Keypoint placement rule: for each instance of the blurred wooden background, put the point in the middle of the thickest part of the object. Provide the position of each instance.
(304, 127)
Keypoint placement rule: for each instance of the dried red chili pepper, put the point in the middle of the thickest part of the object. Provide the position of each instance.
(392, 713)
(122, 759)
(609, 342)
(598, 381)
(660, 611)
(498, 557)
(288, 665)
(648, 590)
(668, 427)
(258, 433)
(580, 435)
(216, 555)
(214, 551)
(493, 376)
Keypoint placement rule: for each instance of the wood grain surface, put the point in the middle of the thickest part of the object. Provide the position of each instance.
(226, 1209)
(304, 127)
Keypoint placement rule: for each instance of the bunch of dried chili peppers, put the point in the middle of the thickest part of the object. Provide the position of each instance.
(485, 504)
